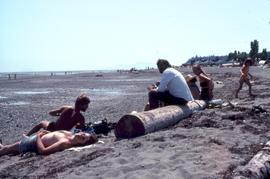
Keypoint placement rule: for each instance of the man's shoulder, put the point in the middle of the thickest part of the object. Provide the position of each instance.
(172, 71)
(169, 71)
(68, 110)
(66, 107)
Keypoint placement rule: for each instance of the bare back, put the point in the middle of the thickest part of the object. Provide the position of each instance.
(58, 112)
(244, 72)
(68, 119)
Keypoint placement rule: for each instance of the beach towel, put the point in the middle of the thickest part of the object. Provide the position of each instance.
(78, 149)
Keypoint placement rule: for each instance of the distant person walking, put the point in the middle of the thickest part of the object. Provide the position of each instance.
(69, 117)
(172, 88)
(244, 77)
(206, 83)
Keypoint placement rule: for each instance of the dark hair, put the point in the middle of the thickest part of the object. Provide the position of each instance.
(82, 99)
(197, 69)
(164, 63)
(248, 60)
(92, 139)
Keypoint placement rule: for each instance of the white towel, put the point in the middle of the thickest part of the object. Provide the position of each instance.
(77, 149)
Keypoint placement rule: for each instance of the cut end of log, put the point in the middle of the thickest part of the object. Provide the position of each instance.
(129, 126)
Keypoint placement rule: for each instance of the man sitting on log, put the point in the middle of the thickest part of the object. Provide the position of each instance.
(172, 89)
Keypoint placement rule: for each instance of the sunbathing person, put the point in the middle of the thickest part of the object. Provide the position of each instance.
(45, 142)
(206, 83)
(69, 117)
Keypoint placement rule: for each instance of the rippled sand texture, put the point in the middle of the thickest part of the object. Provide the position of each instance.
(210, 144)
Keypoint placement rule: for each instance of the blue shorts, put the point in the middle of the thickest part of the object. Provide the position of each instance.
(28, 144)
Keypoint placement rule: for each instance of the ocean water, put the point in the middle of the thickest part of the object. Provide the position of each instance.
(18, 103)
(138, 79)
(32, 92)
(49, 73)
(109, 91)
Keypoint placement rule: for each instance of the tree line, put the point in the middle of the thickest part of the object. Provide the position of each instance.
(254, 53)
(236, 56)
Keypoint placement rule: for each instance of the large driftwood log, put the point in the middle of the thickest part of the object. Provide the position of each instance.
(258, 167)
(136, 124)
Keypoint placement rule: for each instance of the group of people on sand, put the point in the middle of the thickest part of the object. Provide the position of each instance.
(173, 89)
(50, 137)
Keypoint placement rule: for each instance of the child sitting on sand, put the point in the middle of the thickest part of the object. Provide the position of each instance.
(69, 117)
(206, 83)
(45, 142)
(244, 77)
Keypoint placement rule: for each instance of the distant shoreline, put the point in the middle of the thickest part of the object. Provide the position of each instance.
(59, 71)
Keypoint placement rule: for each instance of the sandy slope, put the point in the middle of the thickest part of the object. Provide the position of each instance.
(210, 144)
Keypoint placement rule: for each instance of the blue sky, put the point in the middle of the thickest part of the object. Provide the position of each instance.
(42, 35)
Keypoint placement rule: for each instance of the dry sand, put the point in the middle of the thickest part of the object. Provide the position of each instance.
(214, 143)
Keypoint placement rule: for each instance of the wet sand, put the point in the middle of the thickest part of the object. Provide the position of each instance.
(214, 143)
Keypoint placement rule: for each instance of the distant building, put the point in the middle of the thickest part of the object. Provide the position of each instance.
(262, 62)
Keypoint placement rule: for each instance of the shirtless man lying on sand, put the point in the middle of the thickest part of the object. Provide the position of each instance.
(69, 117)
(45, 142)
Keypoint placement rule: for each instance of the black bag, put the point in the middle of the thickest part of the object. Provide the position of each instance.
(100, 127)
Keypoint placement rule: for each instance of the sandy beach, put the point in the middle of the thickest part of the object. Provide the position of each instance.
(213, 143)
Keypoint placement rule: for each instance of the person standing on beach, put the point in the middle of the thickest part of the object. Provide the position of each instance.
(206, 83)
(244, 78)
(69, 117)
(45, 142)
(172, 88)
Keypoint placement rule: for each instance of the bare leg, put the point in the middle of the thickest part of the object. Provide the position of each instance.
(10, 149)
(147, 107)
(239, 88)
(41, 125)
(153, 99)
(249, 88)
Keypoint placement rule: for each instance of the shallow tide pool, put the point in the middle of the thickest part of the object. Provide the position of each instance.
(18, 103)
(32, 92)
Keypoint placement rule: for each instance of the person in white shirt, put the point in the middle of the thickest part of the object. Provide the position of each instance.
(172, 89)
